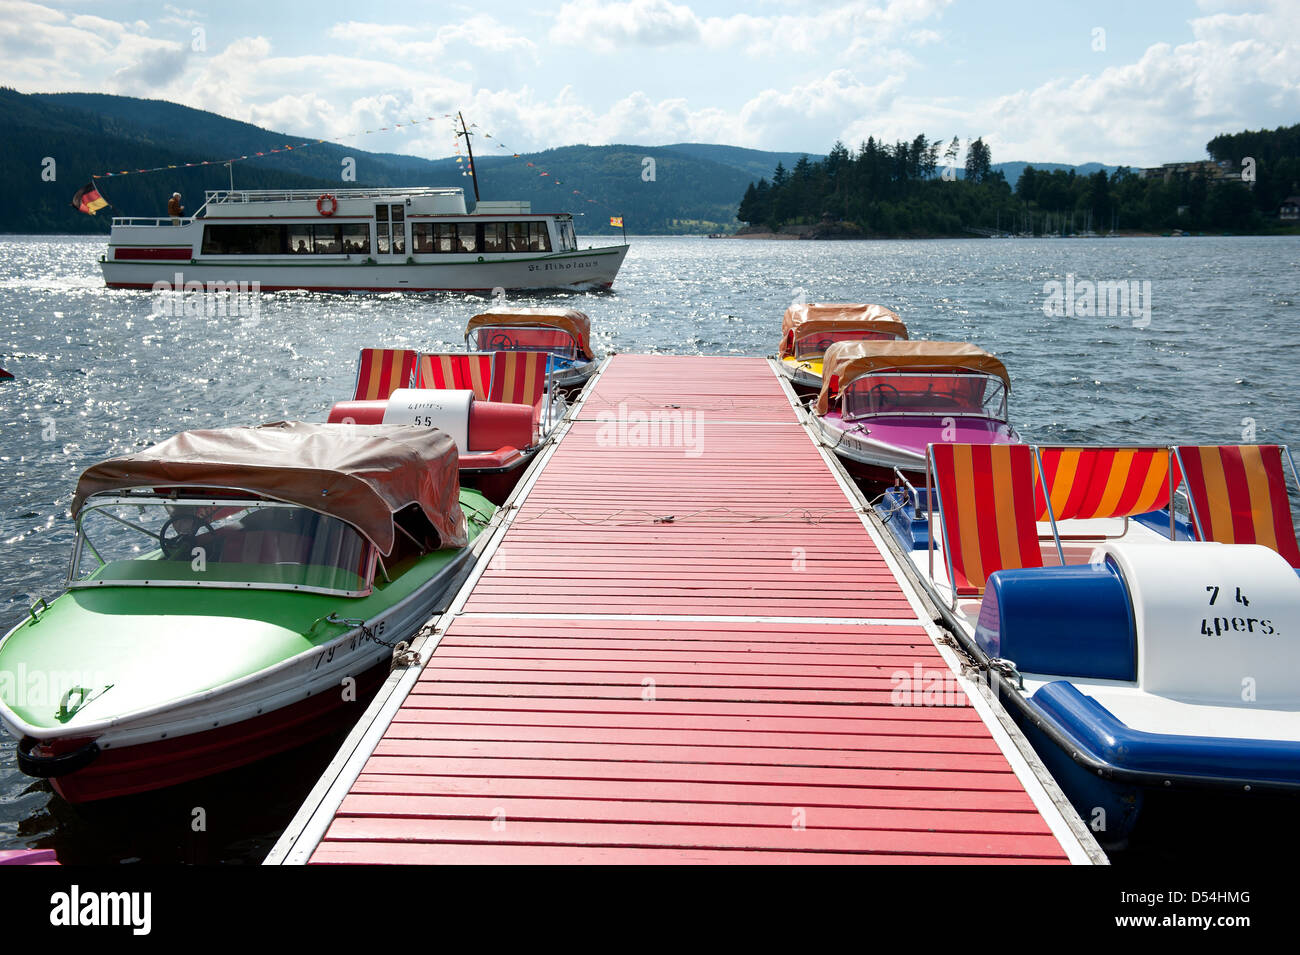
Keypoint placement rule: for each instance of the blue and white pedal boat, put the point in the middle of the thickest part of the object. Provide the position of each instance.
(1134, 659)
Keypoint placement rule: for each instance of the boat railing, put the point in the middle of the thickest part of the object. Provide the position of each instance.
(149, 221)
(228, 196)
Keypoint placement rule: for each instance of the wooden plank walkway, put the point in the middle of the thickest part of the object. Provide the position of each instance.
(685, 648)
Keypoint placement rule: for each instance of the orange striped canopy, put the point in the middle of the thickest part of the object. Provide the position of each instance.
(1103, 482)
(570, 320)
(456, 370)
(518, 377)
(812, 319)
(986, 510)
(381, 371)
(1239, 496)
(845, 362)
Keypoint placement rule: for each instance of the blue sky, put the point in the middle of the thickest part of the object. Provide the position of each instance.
(1118, 82)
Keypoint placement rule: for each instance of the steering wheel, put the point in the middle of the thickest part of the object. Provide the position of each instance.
(886, 395)
(186, 529)
(501, 341)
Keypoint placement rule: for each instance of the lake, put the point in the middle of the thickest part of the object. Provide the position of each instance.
(100, 372)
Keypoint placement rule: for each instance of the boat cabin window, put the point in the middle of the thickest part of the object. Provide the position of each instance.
(390, 228)
(815, 345)
(528, 237)
(516, 237)
(306, 238)
(444, 237)
(234, 543)
(925, 393)
(244, 239)
(554, 341)
(494, 236)
(568, 241)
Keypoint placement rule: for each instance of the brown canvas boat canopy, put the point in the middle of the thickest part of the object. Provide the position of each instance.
(363, 476)
(845, 362)
(569, 320)
(816, 317)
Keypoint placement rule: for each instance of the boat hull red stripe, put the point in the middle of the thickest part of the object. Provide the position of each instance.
(148, 286)
(171, 254)
(167, 762)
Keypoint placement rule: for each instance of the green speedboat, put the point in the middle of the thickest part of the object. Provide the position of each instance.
(232, 594)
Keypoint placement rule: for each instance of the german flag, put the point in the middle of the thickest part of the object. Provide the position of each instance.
(88, 200)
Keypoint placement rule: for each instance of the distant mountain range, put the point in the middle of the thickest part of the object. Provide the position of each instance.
(695, 188)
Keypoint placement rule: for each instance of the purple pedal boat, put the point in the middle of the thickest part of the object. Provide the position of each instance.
(883, 402)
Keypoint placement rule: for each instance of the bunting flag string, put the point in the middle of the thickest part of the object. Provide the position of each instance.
(541, 172)
(464, 162)
(287, 147)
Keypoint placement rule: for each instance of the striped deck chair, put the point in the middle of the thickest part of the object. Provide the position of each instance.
(381, 371)
(519, 377)
(1085, 483)
(986, 511)
(1238, 495)
(457, 370)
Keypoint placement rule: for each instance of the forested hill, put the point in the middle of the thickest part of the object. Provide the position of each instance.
(914, 188)
(692, 187)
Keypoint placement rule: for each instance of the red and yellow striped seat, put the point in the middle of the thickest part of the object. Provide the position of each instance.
(456, 370)
(986, 510)
(518, 377)
(1086, 483)
(381, 371)
(1239, 496)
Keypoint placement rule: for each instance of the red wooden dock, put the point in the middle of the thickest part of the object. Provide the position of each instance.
(685, 646)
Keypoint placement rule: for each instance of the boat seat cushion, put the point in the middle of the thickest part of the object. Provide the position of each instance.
(1073, 621)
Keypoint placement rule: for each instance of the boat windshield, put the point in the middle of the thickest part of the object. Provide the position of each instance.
(218, 543)
(926, 393)
(554, 341)
(815, 345)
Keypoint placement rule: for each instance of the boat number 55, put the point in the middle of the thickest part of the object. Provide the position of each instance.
(1218, 626)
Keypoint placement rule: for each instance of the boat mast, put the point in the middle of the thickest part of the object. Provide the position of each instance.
(473, 173)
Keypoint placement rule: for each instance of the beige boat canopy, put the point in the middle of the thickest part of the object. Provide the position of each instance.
(845, 362)
(803, 320)
(569, 320)
(363, 476)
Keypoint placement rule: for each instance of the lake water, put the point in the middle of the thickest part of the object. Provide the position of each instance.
(101, 372)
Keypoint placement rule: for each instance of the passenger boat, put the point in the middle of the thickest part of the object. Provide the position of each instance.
(562, 333)
(1142, 650)
(883, 402)
(371, 240)
(499, 407)
(808, 330)
(233, 593)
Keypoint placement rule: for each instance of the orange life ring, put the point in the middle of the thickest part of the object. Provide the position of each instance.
(327, 201)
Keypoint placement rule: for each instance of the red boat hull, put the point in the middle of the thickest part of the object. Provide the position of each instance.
(157, 765)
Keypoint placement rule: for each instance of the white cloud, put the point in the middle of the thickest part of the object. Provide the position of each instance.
(607, 26)
(840, 69)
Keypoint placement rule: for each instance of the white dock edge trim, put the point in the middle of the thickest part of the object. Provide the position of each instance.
(308, 826)
(1070, 831)
(698, 618)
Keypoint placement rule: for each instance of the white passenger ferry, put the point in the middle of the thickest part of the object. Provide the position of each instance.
(372, 240)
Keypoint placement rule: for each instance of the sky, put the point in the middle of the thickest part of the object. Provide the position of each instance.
(1138, 82)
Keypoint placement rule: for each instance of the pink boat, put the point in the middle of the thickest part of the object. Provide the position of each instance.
(882, 403)
(28, 857)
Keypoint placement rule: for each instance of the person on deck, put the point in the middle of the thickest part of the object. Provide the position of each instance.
(175, 209)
